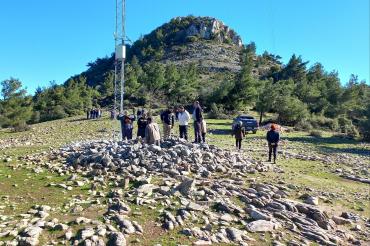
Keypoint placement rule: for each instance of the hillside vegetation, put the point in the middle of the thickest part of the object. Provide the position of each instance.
(200, 58)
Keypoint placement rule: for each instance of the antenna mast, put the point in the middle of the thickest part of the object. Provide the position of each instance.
(120, 53)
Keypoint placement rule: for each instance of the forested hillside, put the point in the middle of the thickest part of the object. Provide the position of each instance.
(201, 58)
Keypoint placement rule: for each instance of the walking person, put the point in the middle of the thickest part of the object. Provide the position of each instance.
(168, 120)
(183, 117)
(239, 133)
(126, 125)
(152, 132)
(273, 138)
(142, 122)
(197, 117)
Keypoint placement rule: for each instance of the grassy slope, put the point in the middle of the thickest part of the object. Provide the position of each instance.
(21, 188)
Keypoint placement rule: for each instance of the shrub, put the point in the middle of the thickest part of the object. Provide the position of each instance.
(217, 112)
(192, 39)
(316, 134)
(21, 127)
(346, 127)
(35, 118)
(57, 113)
(291, 110)
(303, 125)
(352, 132)
(318, 121)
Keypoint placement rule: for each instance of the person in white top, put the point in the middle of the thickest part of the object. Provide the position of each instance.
(183, 117)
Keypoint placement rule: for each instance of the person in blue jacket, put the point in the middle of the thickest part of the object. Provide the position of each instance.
(273, 138)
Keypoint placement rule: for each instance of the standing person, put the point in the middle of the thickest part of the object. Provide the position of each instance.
(139, 113)
(152, 132)
(183, 117)
(126, 125)
(142, 122)
(168, 121)
(178, 111)
(197, 117)
(239, 133)
(88, 114)
(91, 113)
(94, 113)
(203, 130)
(112, 114)
(273, 138)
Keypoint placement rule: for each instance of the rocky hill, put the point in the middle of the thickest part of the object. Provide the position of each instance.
(213, 47)
(205, 41)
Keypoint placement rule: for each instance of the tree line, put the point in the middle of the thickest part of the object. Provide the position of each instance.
(298, 95)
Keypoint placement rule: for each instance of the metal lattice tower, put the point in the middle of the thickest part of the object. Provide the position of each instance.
(120, 54)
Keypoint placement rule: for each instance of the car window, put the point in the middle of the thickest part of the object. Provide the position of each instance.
(246, 117)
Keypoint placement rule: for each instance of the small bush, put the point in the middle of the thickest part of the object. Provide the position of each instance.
(57, 113)
(192, 39)
(21, 127)
(303, 126)
(217, 112)
(316, 134)
(318, 121)
(352, 132)
(35, 118)
(346, 127)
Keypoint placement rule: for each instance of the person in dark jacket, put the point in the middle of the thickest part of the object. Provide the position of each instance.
(168, 120)
(142, 122)
(239, 133)
(273, 138)
(91, 113)
(126, 125)
(197, 117)
(88, 114)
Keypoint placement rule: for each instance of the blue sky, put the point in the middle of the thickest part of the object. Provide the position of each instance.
(45, 40)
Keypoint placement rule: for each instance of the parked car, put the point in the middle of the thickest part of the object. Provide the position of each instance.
(249, 123)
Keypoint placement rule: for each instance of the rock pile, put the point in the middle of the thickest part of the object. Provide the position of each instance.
(202, 191)
(174, 159)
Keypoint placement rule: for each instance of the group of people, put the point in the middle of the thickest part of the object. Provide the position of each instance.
(148, 129)
(94, 113)
(183, 117)
(272, 137)
(149, 132)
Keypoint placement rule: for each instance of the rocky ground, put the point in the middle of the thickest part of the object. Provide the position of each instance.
(62, 191)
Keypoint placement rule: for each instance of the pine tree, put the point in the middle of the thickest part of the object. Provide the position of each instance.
(15, 108)
(246, 86)
(266, 99)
